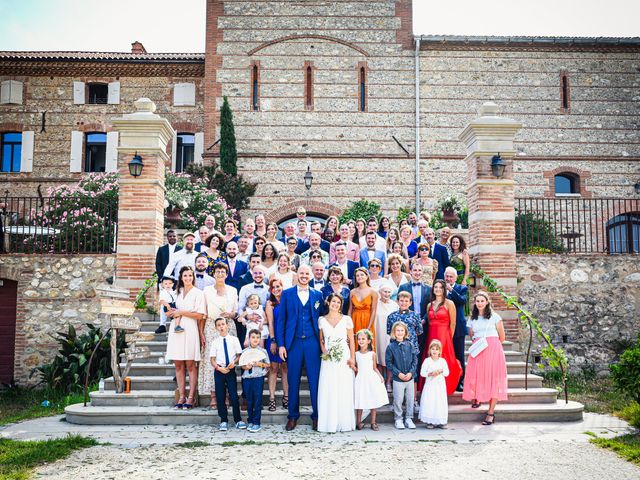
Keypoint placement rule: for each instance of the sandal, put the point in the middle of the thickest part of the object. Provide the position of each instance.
(272, 405)
(285, 401)
(475, 404)
(188, 405)
(213, 404)
(374, 427)
(179, 405)
(360, 426)
(487, 422)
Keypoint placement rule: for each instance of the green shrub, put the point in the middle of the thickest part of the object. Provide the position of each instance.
(403, 213)
(631, 414)
(626, 373)
(360, 209)
(533, 232)
(68, 369)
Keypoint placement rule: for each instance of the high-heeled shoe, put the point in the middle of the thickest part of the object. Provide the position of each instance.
(489, 422)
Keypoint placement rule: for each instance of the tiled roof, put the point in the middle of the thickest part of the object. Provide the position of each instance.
(604, 41)
(104, 57)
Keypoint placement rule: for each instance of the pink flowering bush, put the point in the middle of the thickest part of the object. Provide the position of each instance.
(195, 200)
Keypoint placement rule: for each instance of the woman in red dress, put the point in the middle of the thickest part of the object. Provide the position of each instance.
(442, 324)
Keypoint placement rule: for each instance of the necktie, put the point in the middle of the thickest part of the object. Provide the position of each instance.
(226, 351)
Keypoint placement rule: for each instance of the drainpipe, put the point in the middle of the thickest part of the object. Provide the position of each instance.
(417, 148)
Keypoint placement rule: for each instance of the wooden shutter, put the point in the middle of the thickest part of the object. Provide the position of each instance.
(11, 92)
(26, 159)
(78, 93)
(113, 95)
(111, 160)
(198, 148)
(174, 151)
(77, 141)
(184, 94)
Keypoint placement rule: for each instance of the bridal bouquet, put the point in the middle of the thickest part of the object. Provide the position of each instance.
(334, 350)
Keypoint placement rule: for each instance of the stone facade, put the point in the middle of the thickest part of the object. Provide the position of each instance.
(54, 291)
(352, 153)
(590, 305)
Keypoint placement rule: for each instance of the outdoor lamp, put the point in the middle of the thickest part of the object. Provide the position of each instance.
(497, 166)
(637, 187)
(308, 178)
(136, 165)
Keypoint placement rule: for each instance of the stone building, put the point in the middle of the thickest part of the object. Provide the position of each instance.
(331, 86)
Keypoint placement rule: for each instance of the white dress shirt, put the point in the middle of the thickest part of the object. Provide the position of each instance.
(217, 349)
(180, 259)
(261, 290)
(303, 294)
(203, 280)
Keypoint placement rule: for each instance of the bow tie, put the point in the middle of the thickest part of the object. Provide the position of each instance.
(303, 289)
(199, 275)
(416, 284)
(371, 249)
(258, 286)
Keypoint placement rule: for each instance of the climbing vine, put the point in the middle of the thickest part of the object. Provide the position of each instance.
(555, 357)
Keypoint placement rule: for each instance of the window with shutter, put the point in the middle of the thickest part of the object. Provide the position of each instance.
(11, 92)
(184, 94)
(111, 162)
(10, 151)
(198, 148)
(75, 164)
(98, 93)
(78, 93)
(26, 159)
(113, 94)
(184, 151)
(95, 157)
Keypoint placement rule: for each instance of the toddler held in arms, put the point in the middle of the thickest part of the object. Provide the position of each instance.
(253, 317)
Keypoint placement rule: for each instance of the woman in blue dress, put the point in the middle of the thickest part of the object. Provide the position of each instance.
(271, 312)
(336, 285)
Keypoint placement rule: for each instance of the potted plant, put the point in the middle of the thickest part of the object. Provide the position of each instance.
(174, 202)
(450, 206)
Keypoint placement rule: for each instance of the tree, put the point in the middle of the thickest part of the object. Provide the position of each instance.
(361, 209)
(228, 153)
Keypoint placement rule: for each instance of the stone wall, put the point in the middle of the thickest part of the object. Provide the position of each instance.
(590, 305)
(54, 291)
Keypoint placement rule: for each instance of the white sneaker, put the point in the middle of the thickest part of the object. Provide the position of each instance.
(399, 425)
(409, 424)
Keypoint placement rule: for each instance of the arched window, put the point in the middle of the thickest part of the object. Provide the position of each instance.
(362, 91)
(308, 86)
(185, 150)
(255, 87)
(567, 183)
(623, 233)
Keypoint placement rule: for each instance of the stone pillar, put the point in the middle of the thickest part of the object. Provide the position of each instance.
(491, 204)
(141, 199)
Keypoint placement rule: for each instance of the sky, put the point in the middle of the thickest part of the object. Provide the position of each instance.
(101, 25)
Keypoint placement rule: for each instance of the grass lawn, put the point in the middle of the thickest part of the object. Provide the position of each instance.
(17, 404)
(599, 396)
(18, 458)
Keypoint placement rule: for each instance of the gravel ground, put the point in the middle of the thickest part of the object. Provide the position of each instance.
(414, 460)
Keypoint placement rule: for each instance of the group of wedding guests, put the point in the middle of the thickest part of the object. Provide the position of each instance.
(365, 307)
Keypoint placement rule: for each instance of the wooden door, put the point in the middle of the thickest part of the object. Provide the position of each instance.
(8, 293)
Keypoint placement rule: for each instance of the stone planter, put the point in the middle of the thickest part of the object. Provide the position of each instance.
(450, 217)
(172, 216)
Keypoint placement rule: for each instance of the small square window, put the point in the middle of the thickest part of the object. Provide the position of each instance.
(98, 93)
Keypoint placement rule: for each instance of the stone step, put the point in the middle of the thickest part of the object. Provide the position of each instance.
(150, 326)
(161, 415)
(166, 382)
(155, 398)
(147, 317)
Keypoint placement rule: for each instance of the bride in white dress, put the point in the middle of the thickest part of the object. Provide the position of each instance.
(335, 388)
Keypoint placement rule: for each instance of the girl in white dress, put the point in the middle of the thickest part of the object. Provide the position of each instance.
(434, 410)
(284, 272)
(335, 387)
(370, 391)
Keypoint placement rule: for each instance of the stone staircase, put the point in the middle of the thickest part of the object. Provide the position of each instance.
(152, 397)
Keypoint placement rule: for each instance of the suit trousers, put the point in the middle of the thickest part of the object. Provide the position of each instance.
(253, 390)
(227, 382)
(403, 392)
(303, 351)
(458, 347)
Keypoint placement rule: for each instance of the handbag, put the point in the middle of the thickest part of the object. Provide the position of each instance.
(478, 347)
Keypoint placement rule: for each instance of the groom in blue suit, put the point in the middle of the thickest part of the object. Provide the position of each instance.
(298, 340)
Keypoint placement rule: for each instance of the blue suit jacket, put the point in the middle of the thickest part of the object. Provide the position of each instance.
(302, 245)
(236, 280)
(459, 297)
(289, 314)
(440, 254)
(351, 268)
(364, 258)
(424, 301)
(324, 245)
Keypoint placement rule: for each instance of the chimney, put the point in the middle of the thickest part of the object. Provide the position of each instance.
(137, 47)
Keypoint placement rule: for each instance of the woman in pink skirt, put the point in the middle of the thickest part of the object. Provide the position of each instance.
(486, 376)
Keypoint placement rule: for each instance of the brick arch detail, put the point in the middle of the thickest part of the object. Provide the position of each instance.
(11, 273)
(11, 127)
(318, 37)
(311, 206)
(185, 127)
(583, 176)
(94, 127)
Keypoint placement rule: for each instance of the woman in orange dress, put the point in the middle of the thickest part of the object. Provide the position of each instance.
(442, 324)
(363, 303)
